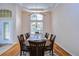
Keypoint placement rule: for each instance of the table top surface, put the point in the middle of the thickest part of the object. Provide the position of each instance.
(36, 40)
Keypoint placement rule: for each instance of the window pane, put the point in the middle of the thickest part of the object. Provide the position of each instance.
(36, 17)
(36, 23)
(40, 27)
(6, 31)
(36, 27)
(33, 17)
(33, 27)
(39, 17)
(5, 13)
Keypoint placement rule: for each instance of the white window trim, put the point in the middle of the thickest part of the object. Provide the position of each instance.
(37, 21)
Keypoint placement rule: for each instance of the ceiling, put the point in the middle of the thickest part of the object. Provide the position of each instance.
(38, 6)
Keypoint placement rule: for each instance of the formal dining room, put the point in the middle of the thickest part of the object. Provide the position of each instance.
(39, 29)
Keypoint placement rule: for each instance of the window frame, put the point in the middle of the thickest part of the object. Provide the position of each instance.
(36, 22)
(4, 30)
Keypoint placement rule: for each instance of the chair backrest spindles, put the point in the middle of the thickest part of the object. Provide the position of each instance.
(27, 35)
(46, 35)
(51, 36)
(52, 42)
(37, 48)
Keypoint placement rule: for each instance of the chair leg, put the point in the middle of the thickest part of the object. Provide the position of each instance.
(20, 53)
(52, 53)
(49, 52)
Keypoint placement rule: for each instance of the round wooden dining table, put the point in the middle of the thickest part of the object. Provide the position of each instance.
(37, 40)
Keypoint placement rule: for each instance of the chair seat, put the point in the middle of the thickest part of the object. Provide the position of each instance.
(25, 48)
(47, 48)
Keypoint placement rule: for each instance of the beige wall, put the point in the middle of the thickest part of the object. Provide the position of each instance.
(26, 22)
(47, 22)
(66, 27)
(12, 21)
(18, 20)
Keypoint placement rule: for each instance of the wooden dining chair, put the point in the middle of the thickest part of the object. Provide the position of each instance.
(50, 47)
(52, 43)
(37, 48)
(23, 47)
(51, 36)
(46, 35)
(27, 35)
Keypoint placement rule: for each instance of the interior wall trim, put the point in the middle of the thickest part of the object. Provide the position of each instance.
(13, 51)
(60, 51)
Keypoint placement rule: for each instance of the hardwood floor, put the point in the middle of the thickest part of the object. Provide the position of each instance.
(14, 51)
(60, 51)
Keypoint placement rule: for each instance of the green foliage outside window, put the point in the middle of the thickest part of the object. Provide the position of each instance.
(5, 13)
